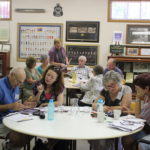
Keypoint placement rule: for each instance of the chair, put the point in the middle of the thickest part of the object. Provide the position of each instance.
(145, 139)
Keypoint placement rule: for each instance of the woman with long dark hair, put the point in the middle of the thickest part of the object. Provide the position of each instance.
(51, 86)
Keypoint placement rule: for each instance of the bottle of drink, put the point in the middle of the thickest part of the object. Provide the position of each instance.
(51, 109)
(73, 77)
(100, 111)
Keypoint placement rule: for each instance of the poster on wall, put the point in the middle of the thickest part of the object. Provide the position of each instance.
(117, 37)
(82, 31)
(36, 39)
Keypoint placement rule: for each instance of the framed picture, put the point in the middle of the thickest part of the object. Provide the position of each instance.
(145, 51)
(117, 37)
(90, 51)
(82, 31)
(138, 34)
(132, 51)
(35, 39)
(6, 47)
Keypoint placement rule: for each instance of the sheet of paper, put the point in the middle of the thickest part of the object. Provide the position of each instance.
(20, 117)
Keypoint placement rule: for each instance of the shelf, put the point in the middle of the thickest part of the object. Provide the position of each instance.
(131, 58)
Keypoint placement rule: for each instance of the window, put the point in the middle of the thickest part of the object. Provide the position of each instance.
(129, 11)
(5, 9)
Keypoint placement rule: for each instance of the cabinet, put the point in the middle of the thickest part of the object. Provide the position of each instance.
(4, 63)
(132, 66)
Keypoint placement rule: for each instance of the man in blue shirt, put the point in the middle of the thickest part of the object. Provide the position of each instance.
(111, 65)
(9, 95)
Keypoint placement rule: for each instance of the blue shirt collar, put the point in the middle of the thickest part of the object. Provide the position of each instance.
(8, 83)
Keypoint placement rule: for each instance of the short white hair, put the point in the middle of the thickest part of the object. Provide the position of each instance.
(17, 70)
(82, 58)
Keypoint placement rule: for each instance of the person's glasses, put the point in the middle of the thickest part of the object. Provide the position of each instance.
(18, 81)
(113, 85)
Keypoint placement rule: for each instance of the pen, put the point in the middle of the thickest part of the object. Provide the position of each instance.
(25, 120)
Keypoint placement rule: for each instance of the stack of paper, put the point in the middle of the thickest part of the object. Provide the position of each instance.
(20, 117)
(128, 124)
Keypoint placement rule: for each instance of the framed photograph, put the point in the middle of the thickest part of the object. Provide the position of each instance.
(145, 51)
(138, 34)
(90, 51)
(82, 31)
(140, 67)
(35, 39)
(6, 47)
(132, 51)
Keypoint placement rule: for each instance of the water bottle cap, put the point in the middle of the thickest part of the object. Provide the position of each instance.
(101, 101)
(51, 101)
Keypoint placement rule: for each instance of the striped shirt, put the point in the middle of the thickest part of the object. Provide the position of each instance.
(145, 113)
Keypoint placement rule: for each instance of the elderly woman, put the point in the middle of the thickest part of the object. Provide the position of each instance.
(142, 86)
(92, 88)
(116, 96)
(82, 71)
(44, 64)
(32, 76)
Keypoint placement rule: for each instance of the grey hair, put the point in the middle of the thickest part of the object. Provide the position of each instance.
(112, 76)
(82, 58)
(17, 70)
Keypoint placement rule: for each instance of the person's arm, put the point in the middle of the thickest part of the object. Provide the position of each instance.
(39, 89)
(59, 100)
(14, 106)
(67, 61)
(57, 64)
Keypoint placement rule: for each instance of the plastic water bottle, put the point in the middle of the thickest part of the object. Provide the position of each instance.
(99, 102)
(51, 109)
(100, 111)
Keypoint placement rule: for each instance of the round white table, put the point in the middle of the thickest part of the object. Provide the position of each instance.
(65, 126)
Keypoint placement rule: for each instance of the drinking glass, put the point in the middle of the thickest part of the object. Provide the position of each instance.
(75, 106)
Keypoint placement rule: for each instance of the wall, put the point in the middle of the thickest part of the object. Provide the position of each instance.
(75, 10)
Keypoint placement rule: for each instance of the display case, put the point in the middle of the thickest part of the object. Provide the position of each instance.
(4, 63)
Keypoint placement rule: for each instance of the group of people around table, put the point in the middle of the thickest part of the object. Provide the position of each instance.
(46, 82)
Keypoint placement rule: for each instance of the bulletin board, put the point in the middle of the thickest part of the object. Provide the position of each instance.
(35, 39)
(90, 51)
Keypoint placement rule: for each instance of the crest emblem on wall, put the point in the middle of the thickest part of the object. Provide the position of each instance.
(58, 10)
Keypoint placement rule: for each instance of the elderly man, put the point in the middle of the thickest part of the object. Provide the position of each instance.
(9, 94)
(57, 55)
(82, 71)
(111, 65)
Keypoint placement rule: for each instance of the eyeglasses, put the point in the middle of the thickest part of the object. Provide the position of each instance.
(18, 81)
(113, 85)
